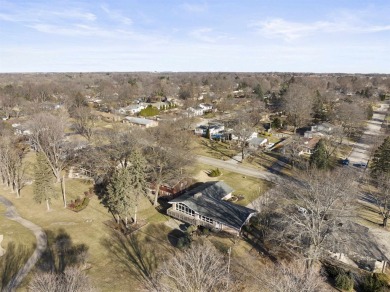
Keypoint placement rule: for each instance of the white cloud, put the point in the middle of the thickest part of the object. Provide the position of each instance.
(195, 8)
(289, 30)
(117, 15)
(207, 35)
(41, 15)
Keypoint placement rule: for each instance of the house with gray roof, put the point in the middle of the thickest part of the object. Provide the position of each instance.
(207, 205)
(145, 123)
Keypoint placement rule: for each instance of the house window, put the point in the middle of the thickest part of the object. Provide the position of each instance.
(206, 219)
(184, 209)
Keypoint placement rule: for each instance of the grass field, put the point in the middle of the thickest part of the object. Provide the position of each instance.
(215, 149)
(86, 227)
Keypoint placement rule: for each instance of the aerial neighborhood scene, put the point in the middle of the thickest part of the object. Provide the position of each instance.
(194, 146)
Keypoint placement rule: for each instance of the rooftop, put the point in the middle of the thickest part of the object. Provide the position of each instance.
(207, 200)
(140, 121)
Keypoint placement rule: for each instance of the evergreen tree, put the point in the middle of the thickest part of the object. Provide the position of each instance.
(381, 160)
(125, 188)
(319, 158)
(258, 91)
(43, 188)
(137, 173)
(118, 194)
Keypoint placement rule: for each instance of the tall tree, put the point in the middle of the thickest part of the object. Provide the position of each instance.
(318, 210)
(137, 172)
(199, 268)
(118, 198)
(126, 186)
(298, 104)
(43, 188)
(381, 160)
(47, 135)
(84, 122)
(319, 158)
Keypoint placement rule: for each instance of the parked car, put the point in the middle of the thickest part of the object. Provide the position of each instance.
(345, 161)
(361, 164)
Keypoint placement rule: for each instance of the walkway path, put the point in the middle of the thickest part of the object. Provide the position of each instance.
(40, 235)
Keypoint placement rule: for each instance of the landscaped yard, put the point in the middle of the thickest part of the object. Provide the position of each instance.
(86, 227)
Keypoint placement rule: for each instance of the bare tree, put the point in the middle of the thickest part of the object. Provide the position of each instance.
(243, 128)
(379, 190)
(84, 122)
(317, 208)
(298, 104)
(291, 277)
(166, 158)
(47, 135)
(199, 268)
(73, 279)
(351, 117)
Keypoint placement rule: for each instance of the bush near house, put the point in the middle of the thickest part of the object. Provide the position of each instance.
(344, 281)
(215, 173)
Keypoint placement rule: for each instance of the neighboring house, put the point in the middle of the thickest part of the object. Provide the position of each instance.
(145, 123)
(215, 128)
(206, 107)
(174, 187)
(256, 143)
(21, 130)
(195, 111)
(308, 145)
(132, 109)
(206, 205)
(320, 130)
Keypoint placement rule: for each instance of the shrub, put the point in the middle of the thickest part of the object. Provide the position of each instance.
(79, 204)
(215, 172)
(183, 242)
(150, 111)
(375, 283)
(344, 281)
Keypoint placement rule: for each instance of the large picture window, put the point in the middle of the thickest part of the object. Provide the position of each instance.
(206, 219)
(184, 209)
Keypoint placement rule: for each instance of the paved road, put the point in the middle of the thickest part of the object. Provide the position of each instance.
(247, 171)
(360, 152)
(40, 235)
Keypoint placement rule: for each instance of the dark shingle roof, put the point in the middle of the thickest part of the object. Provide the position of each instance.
(206, 200)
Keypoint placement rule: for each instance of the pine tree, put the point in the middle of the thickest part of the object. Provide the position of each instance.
(319, 158)
(43, 188)
(125, 188)
(137, 173)
(381, 160)
(118, 191)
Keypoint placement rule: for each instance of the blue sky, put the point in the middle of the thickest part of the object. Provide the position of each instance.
(351, 36)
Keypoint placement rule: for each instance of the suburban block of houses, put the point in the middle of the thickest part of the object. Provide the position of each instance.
(207, 205)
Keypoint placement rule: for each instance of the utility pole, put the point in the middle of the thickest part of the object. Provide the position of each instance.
(63, 190)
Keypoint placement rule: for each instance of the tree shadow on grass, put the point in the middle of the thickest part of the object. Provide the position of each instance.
(139, 259)
(61, 252)
(12, 261)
